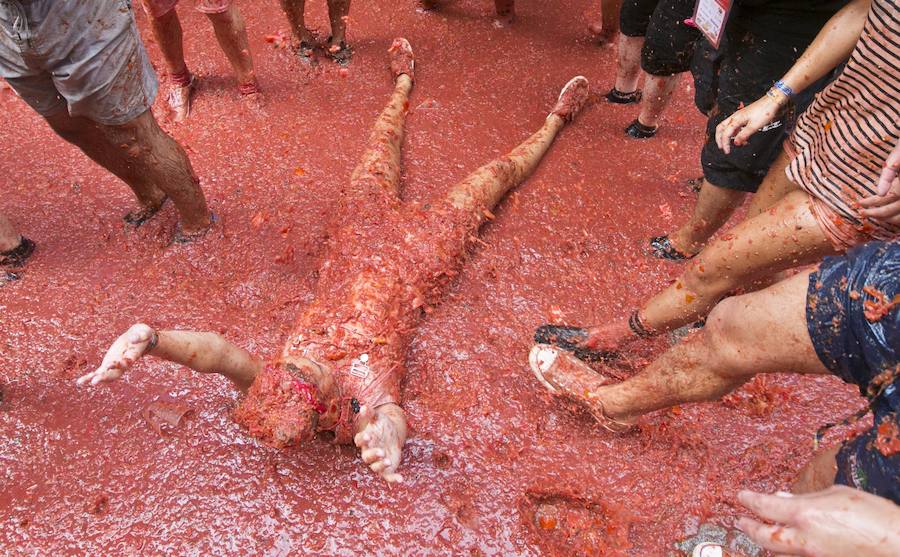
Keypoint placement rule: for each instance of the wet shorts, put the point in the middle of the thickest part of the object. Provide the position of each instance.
(863, 350)
(86, 56)
(744, 68)
(668, 42)
(159, 8)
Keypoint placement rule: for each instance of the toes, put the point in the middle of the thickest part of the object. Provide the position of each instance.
(371, 455)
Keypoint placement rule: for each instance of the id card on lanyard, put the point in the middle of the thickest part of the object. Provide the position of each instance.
(710, 17)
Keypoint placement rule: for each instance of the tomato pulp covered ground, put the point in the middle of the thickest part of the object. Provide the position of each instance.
(493, 466)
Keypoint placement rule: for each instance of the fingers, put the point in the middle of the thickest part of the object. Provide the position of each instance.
(777, 539)
(776, 508)
(878, 200)
(883, 212)
(887, 179)
(392, 477)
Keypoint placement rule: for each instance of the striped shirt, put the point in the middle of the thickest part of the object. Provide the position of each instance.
(843, 139)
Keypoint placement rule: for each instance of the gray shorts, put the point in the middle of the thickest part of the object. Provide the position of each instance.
(86, 55)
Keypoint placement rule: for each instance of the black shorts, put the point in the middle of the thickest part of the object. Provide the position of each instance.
(865, 351)
(744, 68)
(668, 42)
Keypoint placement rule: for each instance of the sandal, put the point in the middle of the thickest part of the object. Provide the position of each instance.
(182, 238)
(662, 248)
(571, 339)
(139, 217)
(640, 131)
(17, 256)
(618, 97)
(544, 357)
(341, 55)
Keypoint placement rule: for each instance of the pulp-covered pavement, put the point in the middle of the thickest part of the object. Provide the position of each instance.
(493, 465)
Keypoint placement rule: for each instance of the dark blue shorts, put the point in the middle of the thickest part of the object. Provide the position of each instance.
(865, 351)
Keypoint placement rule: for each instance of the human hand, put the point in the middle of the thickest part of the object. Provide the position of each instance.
(738, 127)
(835, 522)
(126, 350)
(885, 204)
(381, 439)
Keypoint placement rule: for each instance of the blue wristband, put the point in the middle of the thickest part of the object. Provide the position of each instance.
(783, 87)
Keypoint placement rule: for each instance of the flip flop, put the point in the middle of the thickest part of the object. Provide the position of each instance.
(139, 217)
(342, 55)
(571, 339)
(618, 97)
(661, 247)
(182, 238)
(17, 256)
(544, 357)
(637, 130)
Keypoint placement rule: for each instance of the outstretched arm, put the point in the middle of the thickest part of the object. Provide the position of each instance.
(832, 45)
(202, 352)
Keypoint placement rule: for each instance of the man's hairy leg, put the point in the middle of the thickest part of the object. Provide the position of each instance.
(764, 330)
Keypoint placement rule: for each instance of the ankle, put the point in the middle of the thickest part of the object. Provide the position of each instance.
(10, 243)
(648, 121)
(181, 78)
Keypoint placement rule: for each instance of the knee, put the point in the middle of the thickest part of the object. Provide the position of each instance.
(723, 337)
(68, 130)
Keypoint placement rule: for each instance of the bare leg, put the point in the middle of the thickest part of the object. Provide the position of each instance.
(784, 237)
(765, 330)
(146, 158)
(232, 36)
(506, 12)
(294, 10)
(379, 168)
(610, 18)
(608, 27)
(167, 32)
(338, 11)
(484, 188)
(628, 68)
(774, 187)
(9, 236)
(818, 473)
(714, 207)
(657, 94)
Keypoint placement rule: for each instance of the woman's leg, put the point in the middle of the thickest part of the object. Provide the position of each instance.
(380, 164)
(485, 187)
(773, 187)
(784, 237)
(232, 36)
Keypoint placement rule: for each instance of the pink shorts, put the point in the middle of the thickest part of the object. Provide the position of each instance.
(159, 8)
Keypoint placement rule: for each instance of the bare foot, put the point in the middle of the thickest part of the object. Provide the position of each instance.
(402, 59)
(380, 440)
(573, 97)
(180, 99)
(124, 352)
(565, 375)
